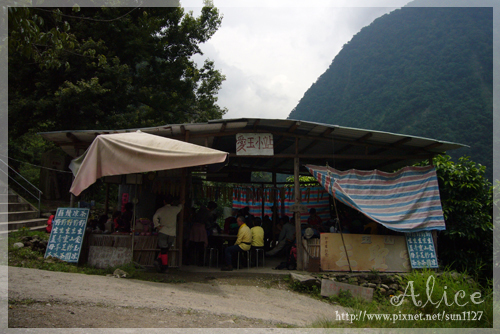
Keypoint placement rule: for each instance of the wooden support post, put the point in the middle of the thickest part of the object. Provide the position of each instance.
(275, 207)
(298, 231)
(263, 202)
(180, 233)
(72, 197)
(182, 199)
(106, 202)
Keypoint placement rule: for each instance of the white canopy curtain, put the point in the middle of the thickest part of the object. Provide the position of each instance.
(136, 152)
(405, 201)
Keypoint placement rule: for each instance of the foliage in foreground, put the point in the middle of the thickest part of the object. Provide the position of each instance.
(382, 313)
(467, 200)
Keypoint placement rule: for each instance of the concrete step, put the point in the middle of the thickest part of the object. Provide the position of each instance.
(15, 225)
(13, 207)
(9, 198)
(18, 215)
(4, 231)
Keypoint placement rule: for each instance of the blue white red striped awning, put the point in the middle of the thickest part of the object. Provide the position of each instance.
(405, 201)
(311, 197)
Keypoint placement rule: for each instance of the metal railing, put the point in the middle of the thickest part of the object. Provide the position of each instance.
(35, 189)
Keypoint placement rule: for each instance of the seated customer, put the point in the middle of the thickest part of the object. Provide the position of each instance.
(230, 222)
(257, 237)
(314, 220)
(243, 243)
(285, 239)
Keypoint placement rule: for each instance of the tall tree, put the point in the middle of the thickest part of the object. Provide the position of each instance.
(108, 68)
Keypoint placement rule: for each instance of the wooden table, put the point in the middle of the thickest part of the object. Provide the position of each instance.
(224, 237)
(218, 240)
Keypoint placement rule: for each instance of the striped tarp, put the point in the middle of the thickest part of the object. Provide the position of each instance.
(405, 201)
(311, 197)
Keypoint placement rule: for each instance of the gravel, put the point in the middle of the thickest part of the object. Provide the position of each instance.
(46, 299)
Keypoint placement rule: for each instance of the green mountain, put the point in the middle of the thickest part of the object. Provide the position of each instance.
(418, 71)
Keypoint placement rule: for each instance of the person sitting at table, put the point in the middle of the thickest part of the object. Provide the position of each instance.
(277, 230)
(314, 220)
(285, 239)
(257, 238)
(230, 222)
(243, 243)
(267, 225)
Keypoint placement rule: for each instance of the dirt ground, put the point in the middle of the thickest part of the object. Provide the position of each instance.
(45, 299)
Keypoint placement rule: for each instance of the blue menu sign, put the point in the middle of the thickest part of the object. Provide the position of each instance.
(421, 250)
(66, 237)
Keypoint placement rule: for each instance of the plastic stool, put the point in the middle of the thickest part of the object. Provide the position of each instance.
(248, 258)
(261, 250)
(210, 253)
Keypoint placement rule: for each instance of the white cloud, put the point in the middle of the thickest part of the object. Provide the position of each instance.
(272, 55)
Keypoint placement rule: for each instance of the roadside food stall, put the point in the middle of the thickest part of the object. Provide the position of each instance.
(129, 154)
(275, 146)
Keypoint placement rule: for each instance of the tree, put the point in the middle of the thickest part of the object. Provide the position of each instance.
(467, 201)
(108, 68)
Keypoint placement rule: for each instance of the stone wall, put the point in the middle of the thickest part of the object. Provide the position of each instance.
(385, 284)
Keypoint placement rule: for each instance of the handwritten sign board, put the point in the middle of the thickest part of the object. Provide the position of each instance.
(254, 144)
(298, 208)
(363, 252)
(66, 237)
(421, 250)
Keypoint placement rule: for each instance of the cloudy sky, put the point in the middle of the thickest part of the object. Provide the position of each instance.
(271, 53)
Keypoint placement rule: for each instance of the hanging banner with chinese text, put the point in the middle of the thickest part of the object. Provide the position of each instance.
(421, 250)
(66, 237)
(254, 144)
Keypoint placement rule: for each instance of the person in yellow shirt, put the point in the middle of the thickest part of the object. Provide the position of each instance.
(243, 243)
(257, 233)
(257, 238)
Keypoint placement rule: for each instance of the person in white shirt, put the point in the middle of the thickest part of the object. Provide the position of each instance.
(165, 220)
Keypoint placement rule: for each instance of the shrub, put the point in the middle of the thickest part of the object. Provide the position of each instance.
(467, 200)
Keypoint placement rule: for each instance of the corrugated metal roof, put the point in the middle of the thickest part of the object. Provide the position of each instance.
(318, 143)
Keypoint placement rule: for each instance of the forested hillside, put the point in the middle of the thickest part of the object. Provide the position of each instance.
(417, 71)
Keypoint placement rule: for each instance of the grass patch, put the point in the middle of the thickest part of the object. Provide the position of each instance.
(27, 258)
(28, 301)
(312, 290)
(430, 301)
